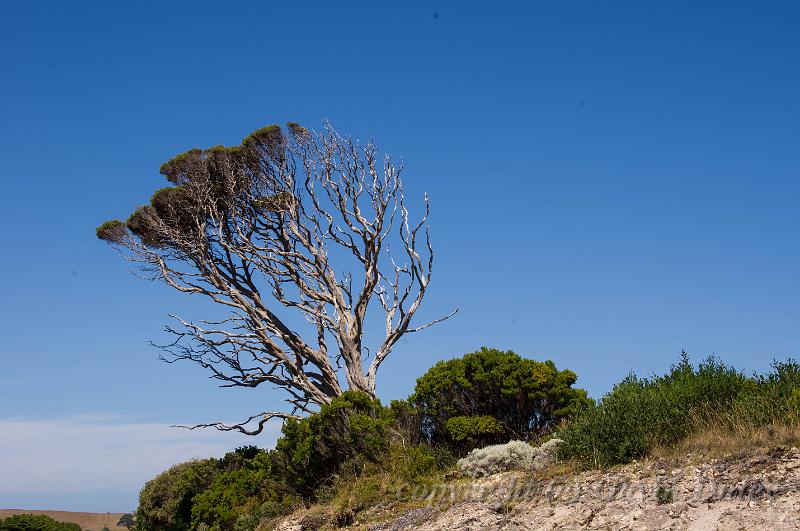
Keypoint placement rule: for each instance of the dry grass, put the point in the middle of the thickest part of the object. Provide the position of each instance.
(716, 440)
(87, 521)
(375, 493)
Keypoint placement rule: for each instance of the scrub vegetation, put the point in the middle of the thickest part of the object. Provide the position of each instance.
(486, 412)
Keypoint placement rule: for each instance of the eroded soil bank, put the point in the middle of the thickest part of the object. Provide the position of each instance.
(758, 492)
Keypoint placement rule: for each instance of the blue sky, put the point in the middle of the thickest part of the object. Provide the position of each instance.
(611, 182)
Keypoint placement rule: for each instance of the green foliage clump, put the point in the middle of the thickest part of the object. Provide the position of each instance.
(768, 398)
(170, 200)
(112, 231)
(207, 184)
(473, 431)
(300, 132)
(126, 520)
(279, 202)
(664, 495)
(165, 502)
(642, 413)
(414, 462)
(266, 136)
(268, 142)
(35, 522)
(353, 427)
(249, 482)
(527, 398)
(179, 169)
(144, 223)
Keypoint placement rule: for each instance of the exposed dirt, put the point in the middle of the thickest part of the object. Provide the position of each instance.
(757, 492)
(87, 521)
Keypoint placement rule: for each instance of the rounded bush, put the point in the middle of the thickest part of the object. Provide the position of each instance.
(526, 399)
(513, 455)
(353, 426)
(165, 502)
(249, 482)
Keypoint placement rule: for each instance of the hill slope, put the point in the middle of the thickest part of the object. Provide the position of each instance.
(757, 491)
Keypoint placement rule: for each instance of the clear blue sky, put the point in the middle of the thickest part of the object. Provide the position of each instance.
(611, 182)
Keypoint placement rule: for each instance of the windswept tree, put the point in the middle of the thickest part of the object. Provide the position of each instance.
(265, 229)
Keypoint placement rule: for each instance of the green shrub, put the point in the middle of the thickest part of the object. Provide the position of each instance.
(774, 397)
(664, 495)
(473, 432)
(406, 423)
(527, 398)
(35, 522)
(249, 485)
(641, 413)
(165, 502)
(793, 403)
(356, 453)
(126, 520)
(251, 482)
(353, 427)
(414, 462)
(239, 458)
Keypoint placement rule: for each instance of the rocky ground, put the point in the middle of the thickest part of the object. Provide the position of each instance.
(758, 492)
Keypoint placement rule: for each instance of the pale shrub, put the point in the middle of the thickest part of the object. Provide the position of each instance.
(547, 454)
(514, 455)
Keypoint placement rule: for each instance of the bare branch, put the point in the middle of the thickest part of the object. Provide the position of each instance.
(242, 426)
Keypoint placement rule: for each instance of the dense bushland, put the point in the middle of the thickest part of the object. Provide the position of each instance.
(35, 522)
(640, 414)
(248, 484)
(353, 436)
(356, 453)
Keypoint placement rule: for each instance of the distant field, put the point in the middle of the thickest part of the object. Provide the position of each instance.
(87, 521)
